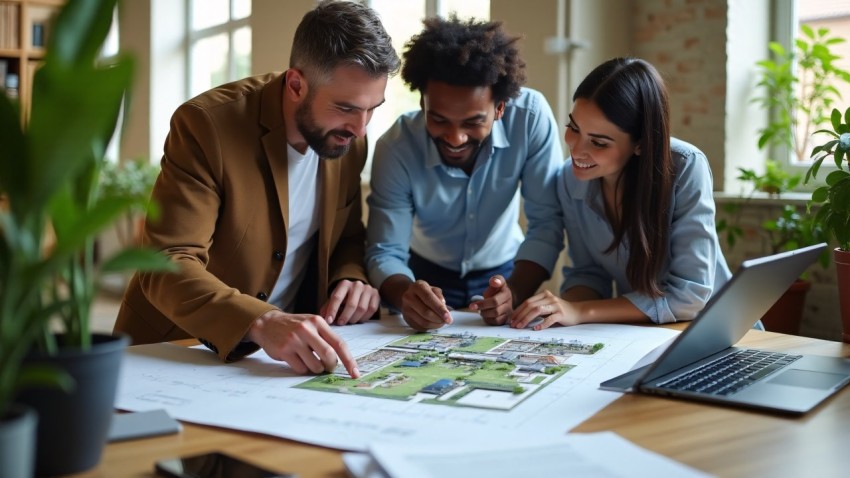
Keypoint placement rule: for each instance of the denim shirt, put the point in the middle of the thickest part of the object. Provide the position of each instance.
(461, 222)
(695, 267)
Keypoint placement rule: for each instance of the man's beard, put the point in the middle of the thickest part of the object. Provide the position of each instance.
(312, 133)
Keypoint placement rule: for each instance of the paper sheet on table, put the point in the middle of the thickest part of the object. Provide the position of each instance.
(653, 355)
(570, 455)
(259, 394)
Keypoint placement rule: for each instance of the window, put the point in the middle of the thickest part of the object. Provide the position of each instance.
(402, 20)
(109, 50)
(836, 17)
(219, 43)
(831, 15)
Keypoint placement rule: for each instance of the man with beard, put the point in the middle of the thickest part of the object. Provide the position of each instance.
(447, 180)
(261, 205)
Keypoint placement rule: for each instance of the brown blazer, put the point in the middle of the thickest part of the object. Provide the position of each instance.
(223, 200)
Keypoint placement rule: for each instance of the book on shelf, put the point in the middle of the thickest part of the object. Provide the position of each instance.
(40, 19)
(10, 22)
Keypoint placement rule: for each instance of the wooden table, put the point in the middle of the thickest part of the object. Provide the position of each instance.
(724, 441)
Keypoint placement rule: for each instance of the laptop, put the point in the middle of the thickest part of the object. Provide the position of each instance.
(702, 364)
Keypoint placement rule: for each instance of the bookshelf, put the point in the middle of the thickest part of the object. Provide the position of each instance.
(24, 29)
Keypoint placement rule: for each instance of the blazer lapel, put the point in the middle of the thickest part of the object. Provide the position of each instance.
(275, 143)
(330, 170)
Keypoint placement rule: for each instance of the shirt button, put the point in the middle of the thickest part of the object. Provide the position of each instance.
(277, 255)
(471, 216)
(262, 296)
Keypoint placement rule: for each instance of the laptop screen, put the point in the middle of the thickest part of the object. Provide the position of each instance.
(757, 285)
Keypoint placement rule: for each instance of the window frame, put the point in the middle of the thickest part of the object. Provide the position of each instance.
(230, 27)
(783, 31)
(785, 14)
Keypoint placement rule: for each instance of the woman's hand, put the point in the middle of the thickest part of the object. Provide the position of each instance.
(551, 308)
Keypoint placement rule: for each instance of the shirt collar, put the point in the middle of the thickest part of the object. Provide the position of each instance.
(577, 189)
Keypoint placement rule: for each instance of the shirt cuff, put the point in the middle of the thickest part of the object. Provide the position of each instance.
(539, 252)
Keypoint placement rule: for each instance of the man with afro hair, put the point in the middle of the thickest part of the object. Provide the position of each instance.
(447, 180)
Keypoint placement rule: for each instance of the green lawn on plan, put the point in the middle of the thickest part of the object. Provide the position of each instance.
(482, 344)
(401, 383)
(417, 378)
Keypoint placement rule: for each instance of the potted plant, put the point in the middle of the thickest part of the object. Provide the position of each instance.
(833, 198)
(49, 172)
(791, 230)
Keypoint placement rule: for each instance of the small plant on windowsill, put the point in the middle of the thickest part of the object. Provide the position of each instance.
(774, 181)
(793, 230)
(132, 178)
(790, 230)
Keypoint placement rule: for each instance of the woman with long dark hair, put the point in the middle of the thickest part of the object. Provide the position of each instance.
(638, 209)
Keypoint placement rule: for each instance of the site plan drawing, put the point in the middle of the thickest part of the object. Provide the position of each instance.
(460, 369)
(466, 381)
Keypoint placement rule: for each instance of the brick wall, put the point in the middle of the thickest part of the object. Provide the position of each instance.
(684, 40)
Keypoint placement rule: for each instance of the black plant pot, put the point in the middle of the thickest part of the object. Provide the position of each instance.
(73, 427)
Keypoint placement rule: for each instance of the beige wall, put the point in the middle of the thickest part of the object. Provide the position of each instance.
(273, 24)
(152, 30)
(135, 26)
(686, 41)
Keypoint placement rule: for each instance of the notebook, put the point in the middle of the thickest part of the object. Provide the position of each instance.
(702, 364)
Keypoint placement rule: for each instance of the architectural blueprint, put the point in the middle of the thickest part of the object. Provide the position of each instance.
(466, 381)
(459, 369)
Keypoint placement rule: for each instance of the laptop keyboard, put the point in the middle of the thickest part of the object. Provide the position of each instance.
(731, 373)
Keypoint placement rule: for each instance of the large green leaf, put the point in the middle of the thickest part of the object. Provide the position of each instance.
(60, 148)
(74, 226)
(79, 32)
(835, 176)
(835, 118)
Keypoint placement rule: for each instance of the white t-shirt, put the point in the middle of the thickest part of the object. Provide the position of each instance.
(304, 181)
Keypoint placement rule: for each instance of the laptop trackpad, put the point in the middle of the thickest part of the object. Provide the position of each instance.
(808, 379)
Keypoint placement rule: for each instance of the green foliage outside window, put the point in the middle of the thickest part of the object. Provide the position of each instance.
(799, 89)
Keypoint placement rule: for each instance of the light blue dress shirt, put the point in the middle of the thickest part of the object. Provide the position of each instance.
(466, 223)
(695, 267)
